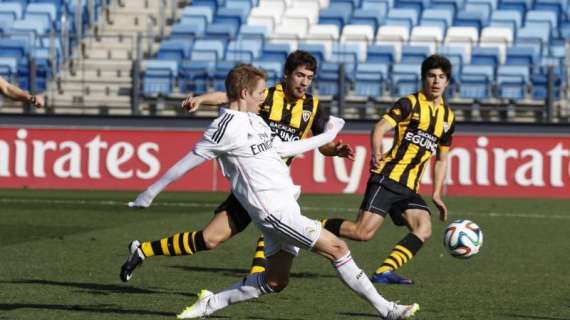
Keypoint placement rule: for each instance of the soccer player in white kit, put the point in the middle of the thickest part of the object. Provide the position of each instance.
(251, 159)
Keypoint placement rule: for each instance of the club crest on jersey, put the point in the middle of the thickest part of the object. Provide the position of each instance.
(306, 115)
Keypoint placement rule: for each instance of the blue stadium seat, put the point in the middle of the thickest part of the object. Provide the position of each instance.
(539, 85)
(369, 79)
(474, 87)
(511, 19)
(277, 52)
(476, 19)
(18, 48)
(44, 11)
(540, 18)
(193, 76)
(244, 50)
(475, 81)
(274, 70)
(221, 31)
(417, 5)
(438, 17)
(512, 81)
(377, 4)
(187, 30)
(380, 54)
(485, 56)
(197, 15)
(345, 53)
(159, 76)
(174, 50)
(344, 3)
(208, 50)
(407, 17)
(405, 79)
(521, 6)
(234, 17)
(338, 15)
(414, 54)
(213, 4)
(220, 72)
(523, 55)
(12, 9)
(373, 17)
(8, 67)
(318, 50)
(327, 79)
(454, 5)
(457, 55)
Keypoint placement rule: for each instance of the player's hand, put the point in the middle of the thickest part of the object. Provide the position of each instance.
(343, 150)
(375, 158)
(441, 207)
(38, 102)
(191, 104)
(142, 201)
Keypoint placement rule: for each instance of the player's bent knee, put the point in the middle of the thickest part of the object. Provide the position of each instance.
(363, 235)
(213, 242)
(278, 285)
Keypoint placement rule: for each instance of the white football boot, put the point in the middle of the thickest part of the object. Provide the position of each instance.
(199, 309)
(399, 311)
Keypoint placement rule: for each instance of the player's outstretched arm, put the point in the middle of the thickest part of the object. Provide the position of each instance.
(192, 104)
(439, 172)
(288, 149)
(13, 92)
(189, 162)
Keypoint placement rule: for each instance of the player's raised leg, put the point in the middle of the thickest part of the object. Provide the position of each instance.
(353, 277)
(218, 230)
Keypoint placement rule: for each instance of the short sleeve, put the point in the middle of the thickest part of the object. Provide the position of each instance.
(320, 121)
(399, 111)
(221, 136)
(446, 139)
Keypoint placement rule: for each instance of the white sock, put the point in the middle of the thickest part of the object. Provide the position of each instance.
(251, 287)
(358, 281)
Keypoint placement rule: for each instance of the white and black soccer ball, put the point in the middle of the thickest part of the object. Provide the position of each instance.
(463, 239)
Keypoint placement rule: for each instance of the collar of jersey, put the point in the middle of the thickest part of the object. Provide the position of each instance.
(279, 88)
(423, 97)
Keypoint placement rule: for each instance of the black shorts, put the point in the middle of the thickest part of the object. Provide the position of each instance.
(385, 196)
(236, 212)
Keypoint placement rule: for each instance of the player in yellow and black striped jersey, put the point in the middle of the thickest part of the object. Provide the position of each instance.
(423, 123)
(292, 114)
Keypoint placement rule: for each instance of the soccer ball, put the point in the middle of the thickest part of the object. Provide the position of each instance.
(463, 239)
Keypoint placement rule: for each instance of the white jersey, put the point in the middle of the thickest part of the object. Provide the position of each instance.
(245, 148)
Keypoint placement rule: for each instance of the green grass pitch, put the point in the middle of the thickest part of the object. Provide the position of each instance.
(60, 254)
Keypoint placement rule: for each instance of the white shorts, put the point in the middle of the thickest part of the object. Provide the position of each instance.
(278, 216)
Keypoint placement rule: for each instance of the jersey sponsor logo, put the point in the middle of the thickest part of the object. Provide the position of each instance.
(265, 145)
(284, 132)
(306, 115)
(422, 139)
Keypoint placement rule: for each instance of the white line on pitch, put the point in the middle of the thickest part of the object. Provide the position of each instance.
(306, 208)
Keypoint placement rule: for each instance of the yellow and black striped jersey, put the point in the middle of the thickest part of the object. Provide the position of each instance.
(421, 130)
(292, 121)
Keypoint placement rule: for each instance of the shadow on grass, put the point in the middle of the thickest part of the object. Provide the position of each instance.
(98, 288)
(359, 315)
(235, 272)
(102, 309)
(525, 316)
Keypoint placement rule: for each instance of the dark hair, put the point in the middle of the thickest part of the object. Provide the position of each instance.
(242, 76)
(436, 61)
(300, 58)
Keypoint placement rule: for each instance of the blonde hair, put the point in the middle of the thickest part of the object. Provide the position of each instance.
(242, 76)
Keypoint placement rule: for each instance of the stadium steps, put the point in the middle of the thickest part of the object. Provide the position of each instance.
(98, 78)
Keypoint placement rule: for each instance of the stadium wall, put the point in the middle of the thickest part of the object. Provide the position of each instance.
(128, 153)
